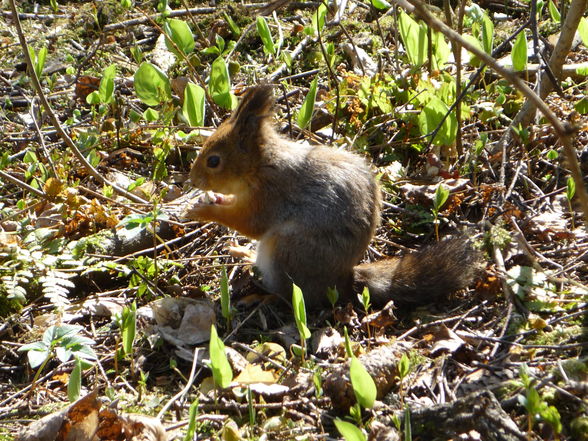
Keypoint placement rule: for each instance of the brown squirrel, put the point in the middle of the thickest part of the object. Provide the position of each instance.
(313, 210)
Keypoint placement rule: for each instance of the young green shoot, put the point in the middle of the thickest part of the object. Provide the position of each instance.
(365, 301)
(363, 384)
(305, 114)
(226, 309)
(570, 192)
(300, 317)
(219, 364)
(332, 296)
(62, 342)
(349, 431)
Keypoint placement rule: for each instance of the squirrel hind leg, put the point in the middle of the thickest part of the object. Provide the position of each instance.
(423, 276)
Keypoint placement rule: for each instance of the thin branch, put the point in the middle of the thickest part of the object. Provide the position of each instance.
(55, 121)
(21, 184)
(563, 130)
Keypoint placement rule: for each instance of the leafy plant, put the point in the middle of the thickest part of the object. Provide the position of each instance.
(62, 342)
(554, 12)
(178, 32)
(266, 36)
(305, 113)
(219, 85)
(74, 385)
(519, 52)
(317, 20)
(363, 384)
(226, 309)
(431, 116)
(194, 107)
(570, 192)
(128, 327)
(414, 39)
(537, 408)
(105, 93)
(221, 369)
(300, 316)
(38, 59)
(192, 415)
(382, 5)
(332, 296)
(349, 431)
(151, 85)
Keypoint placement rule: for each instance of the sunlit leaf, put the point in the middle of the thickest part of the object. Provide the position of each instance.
(194, 107)
(179, 32)
(519, 52)
(305, 114)
(363, 384)
(152, 85)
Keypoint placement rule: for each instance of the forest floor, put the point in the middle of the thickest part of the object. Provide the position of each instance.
(94, 305)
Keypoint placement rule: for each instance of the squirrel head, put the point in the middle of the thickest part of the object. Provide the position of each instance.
(233, 151)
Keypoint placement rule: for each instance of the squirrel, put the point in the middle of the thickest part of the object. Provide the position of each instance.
(313, 211)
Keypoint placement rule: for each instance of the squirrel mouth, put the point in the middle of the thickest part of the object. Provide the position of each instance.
(212, 198)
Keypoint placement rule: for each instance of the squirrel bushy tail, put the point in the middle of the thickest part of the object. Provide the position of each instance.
(421, 276)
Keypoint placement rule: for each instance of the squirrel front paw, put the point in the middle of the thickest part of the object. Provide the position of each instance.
(199, 206)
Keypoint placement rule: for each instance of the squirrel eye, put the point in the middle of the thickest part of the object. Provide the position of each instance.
(213, 161)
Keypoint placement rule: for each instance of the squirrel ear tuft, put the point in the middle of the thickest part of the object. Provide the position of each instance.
(256, 105)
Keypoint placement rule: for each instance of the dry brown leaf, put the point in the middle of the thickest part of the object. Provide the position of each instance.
(254, 373)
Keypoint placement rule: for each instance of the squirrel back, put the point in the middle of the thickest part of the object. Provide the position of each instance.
(313, 210)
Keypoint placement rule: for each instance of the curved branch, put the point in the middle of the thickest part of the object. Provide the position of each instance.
(62, 133)
(563, 130)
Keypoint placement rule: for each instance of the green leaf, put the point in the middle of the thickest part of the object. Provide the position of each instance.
(93, 98)
(74, 385)
(487, 33)
(225, 294)
(299, 312)
(551, 415)
(349, 431)
(152, 85)
(570, 188)
(365, 298)
(403, 366)
(192, 414)
(36, 358)
(414, 38)
(179, 32)
(582, 106)
(265, 35)
(38, 60)
(318, 19)
(332, 295)
(236, 31)
(194, 107)
(519, 52)
(151, 115)
(441, 195)
(129, 327)
(431, 116)
(221, 369)
(219, 85)
(554, 12)
(106, 88)
(441, 50)
(583, 30)
(381, 4)
(305, 114)
(363, 384)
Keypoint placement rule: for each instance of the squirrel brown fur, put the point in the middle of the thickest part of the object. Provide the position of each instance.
(313, 211)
